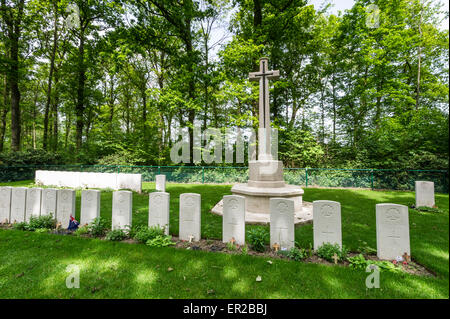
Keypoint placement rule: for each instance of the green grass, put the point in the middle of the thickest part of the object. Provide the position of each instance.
(34, 265)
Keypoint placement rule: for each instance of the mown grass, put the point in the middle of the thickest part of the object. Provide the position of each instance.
(34, 265)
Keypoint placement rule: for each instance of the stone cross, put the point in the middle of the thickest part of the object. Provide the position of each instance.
(335, 258)
(263, 76)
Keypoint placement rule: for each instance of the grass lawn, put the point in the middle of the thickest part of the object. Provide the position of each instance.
(34, 265)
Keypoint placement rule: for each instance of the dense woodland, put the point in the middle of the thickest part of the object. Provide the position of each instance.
(108, 82)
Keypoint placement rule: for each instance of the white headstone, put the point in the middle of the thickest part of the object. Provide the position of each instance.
(424, 194)
(18, 198)
(161, 183)
(327, 223)
(122, 209)
(392, 231)
(5, 204)
(48, 202)
(90, 206)
(65, 206)
(33, 203)
(190, 217)
(158, 210)
(233, 219)
(129, 181)
(282, 223)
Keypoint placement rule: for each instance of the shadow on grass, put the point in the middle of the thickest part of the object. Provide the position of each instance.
(120, 270)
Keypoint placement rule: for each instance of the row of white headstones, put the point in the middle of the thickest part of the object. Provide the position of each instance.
(18, 204)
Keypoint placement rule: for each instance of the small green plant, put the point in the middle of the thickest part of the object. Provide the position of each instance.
(327, 252)
(257, 238)
(244, 250)
(40, 222)
(98, 227)
(42, 230)
(116, 235)
(297, 254)
(20, 226)
(426, 209)
(231, 246)
(358, 262)
(367, 250)
(83, 230)
(160, 241)
(144, 234)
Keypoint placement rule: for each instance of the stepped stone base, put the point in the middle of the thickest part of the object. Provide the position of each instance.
(303, 217)
(258, 201)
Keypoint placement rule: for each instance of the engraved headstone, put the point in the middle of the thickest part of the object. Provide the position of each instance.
(158, 210)
(48, 202)
(392, 231)
(190, 216)
(65, 206)
(18, 198)
(5, 204)
(122, 209)
(327, 223)
(161, 183)
(233, 219)
(424, 194)
(282, 223)
(90, 206)
(33, 203)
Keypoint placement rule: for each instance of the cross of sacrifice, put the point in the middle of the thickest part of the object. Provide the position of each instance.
(263, 76)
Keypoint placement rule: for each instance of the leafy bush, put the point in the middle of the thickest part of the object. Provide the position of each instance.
(160, 241)
(295, 253)
(30, 157)
(83, 230)
(98, 227)
(257, 238)
(20, 226)
(144, 234)
(359, 262)
(327, 251)
(41, 222)
(116, 235)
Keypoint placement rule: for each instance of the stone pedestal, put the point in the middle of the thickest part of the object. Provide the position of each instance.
(265, 182)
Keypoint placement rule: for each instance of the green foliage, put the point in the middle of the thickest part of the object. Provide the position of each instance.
(42, 230)
(426, 209)
(144, 234)
(116, 235)
(41, 222)
(83, 230)
(231, 246)
(160, 241)
(20, 226)
(244, 250)
(327, 251)
(297, 254)
(36, 157)
(98, 227)
(359, 262)
(257, 238)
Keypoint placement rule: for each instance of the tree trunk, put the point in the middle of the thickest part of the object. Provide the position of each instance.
(79, 109)
(5, 111)
(50, 78)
